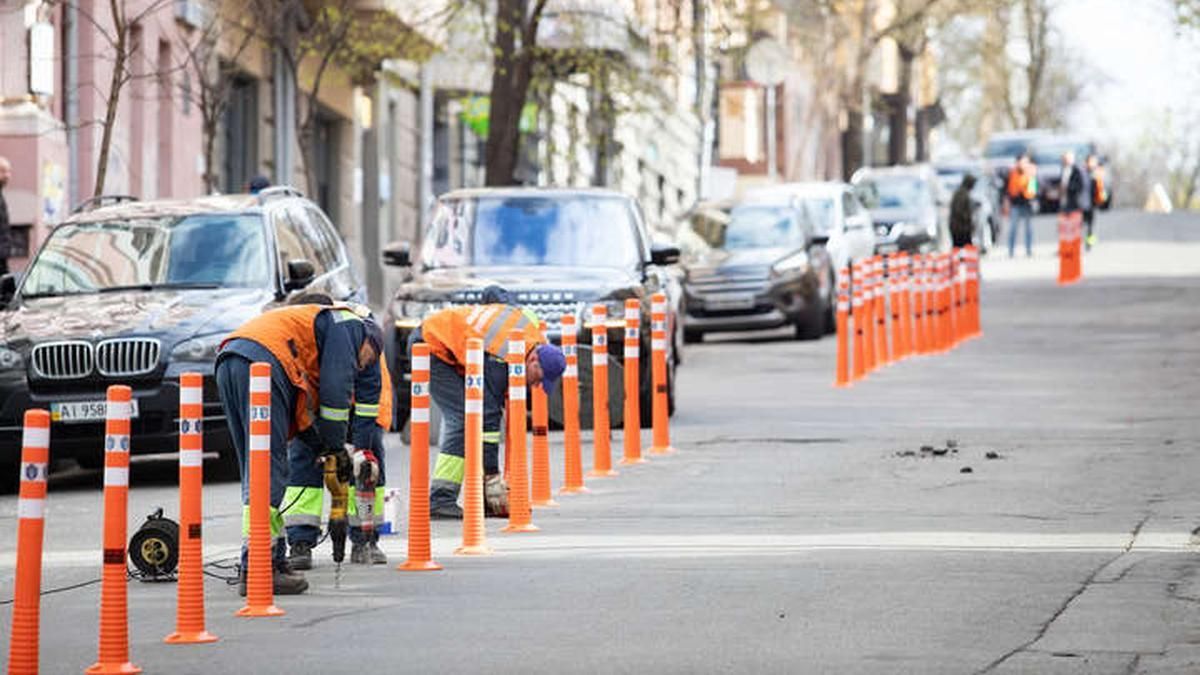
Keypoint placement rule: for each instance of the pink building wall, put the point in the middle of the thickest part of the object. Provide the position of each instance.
(157, 135)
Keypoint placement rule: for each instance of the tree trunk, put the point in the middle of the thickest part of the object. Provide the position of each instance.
(512, 68)
(852, 143)
(114, 98)
(898, 120)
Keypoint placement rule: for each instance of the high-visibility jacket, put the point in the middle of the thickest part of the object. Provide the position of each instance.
(1100, 193)
(317, 347)
(1022, 185)
(448, 330)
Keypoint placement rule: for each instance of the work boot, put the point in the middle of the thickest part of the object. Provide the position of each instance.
(284, 580)
(495, 496)
(447, 511)
(367, 554)
(301, 556)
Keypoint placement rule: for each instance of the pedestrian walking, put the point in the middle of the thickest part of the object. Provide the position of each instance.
(1021, 188)
(962, 213)
(323, 359)
(447, 332)
(5, 242)
(1075, 187)
(1099, 198)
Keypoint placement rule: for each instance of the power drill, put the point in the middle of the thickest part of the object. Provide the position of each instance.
(366, 477)
(338, 470)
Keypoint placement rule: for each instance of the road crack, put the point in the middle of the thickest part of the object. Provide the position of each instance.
(1066, 604)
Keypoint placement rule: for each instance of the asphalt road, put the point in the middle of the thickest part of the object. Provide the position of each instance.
(796, 530)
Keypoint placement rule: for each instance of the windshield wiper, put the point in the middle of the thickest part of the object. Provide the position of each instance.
(157, 287)
(50, 294)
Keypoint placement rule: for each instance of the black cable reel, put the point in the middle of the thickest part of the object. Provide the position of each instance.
(154, 548)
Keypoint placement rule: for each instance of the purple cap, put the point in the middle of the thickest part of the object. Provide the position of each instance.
(553, 364)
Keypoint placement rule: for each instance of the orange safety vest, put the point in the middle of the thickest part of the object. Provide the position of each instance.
(1101, 195)
(1020, 185)
(447, 331)
(289, 333)
(384, 418)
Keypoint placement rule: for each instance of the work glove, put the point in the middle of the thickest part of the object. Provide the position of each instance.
(366, 467)
(495, 495)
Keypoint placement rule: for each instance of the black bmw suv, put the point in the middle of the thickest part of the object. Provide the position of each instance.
(137, 293)
(557, 251)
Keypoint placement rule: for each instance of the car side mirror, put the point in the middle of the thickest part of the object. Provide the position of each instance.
(818, 239)
(398, 254)
(664, 254)
(8, 288)
(300, 273)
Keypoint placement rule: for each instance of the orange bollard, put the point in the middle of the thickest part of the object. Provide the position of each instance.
(601, 434)
(893, 293)
(541, 490)
(474, 536)
(944, 301)
(868, 313)
(420, 553)
(661, 432)
(572, 450)
(632, 437)
(1064, 249)
(189, 601)
(929, 283)
(114, 611)
(1077, 248)
(31, 510)
(519, 513)
(948, 299)
(920, 310)
(904, 344)
(857, 311)
(964, 308)
(955, 300)
(881, 329)
(841, 376)
(260, 589)
(973, 320)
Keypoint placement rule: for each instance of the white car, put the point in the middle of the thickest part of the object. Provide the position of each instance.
(835, 212)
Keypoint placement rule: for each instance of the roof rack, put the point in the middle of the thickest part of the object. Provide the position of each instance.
(277, 191)
(100, 200)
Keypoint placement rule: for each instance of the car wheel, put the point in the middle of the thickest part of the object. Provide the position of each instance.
(691, 337)
(811, 325)
(831, 306)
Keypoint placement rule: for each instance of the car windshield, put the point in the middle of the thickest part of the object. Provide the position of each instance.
(893, 192)
(762, 227)
(1009, 147)
(818, 212)
(539, 230)
(1051, 154)
(145, 253)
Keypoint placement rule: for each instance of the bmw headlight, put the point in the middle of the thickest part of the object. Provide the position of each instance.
(10, 359)
(201, 348)
(796, 263)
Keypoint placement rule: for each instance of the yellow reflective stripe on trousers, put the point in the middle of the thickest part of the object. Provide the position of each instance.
(491, 437)
(366, 410)
(335, 414)
(449, 468)
(275, 519)
(303, 505)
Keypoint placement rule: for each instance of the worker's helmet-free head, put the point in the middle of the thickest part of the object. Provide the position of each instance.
(553, 364)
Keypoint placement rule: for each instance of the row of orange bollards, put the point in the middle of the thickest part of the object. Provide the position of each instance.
(113, 656)
(525, 493)
(929, 301)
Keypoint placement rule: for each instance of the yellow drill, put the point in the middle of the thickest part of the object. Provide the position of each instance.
(337, 479)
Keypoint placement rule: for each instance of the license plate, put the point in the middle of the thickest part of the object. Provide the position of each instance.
(75, 412)
(729, 301)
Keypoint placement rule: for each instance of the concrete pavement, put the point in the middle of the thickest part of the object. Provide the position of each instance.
(793, 532)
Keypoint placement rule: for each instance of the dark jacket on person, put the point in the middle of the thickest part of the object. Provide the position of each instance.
(1076, 191)
(962, 212)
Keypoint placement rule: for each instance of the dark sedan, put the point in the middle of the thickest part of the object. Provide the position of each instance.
(766, 270)
(141, 292)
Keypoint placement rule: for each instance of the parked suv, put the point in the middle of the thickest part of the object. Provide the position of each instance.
(557, 251)
(138, 292)
(904, 205)
(767, 268)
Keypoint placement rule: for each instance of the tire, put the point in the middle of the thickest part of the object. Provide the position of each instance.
(831, 306)
(812, 325)
(692, 337)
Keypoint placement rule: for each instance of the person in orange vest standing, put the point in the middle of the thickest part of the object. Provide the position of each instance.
(1021, 189)
(1099, 198)
(323, 359)
(446, 332)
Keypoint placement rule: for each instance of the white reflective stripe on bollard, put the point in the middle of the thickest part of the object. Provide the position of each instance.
(474, 405)
(191, 458)
(117, 476)
(31, 508)
(420, 363)
(420, 415)
(190, 396)
(36, 437)
(259, 442)
(260, 384)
